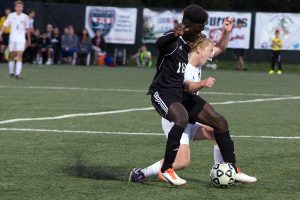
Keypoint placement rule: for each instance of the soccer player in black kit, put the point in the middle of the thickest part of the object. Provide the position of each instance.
(172, 102)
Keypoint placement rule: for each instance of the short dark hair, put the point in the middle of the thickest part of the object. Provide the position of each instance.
(194, 14)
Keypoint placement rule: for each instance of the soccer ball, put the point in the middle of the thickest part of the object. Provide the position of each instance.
(222, 175)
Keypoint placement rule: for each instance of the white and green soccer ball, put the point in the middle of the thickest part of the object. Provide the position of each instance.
(222, 175)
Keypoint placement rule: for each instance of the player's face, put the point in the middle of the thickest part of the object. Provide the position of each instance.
(19, 8)
(194, 31)
(206, 54)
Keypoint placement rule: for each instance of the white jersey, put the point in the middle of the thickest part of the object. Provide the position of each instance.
(30, 23)
(18, 24)
(192, 73)
(238, 43)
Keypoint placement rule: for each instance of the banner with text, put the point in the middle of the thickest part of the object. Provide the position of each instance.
(117, 25)
(155, 23)
(288, 25)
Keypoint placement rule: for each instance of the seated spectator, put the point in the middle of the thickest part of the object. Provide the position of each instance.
(49, 30)
(56, 45)
(31, 51)
(69, 42)
(84, 48)
(98, 42)
(143, 57)
(45, 50)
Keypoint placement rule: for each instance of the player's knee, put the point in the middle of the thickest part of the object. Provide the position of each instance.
(182, 121)
(221, 124)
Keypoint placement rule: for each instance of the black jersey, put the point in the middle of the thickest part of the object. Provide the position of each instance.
(171, 63)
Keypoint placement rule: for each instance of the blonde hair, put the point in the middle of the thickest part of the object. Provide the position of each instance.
(202, 41)
(19, 2)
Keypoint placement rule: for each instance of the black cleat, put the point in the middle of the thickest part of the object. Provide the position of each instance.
(136, 176)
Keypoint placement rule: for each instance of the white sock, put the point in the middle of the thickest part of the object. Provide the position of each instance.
(18, 68)
(217, 154)
(152, 169)
(11, 67)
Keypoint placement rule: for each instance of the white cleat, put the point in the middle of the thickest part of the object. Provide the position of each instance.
(244, 178)
(172, 178)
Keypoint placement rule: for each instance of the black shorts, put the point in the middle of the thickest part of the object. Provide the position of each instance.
(193, 105)
(239, 52)
(162, 101)
(5, 37)
(191, 102)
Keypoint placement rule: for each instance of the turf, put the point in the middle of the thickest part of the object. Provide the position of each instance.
(79, 165)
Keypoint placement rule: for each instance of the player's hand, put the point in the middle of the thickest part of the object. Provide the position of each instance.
(209, 82)
(180, 30)
(228, 24)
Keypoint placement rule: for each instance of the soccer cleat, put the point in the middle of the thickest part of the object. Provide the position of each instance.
(18, 77)
(11, 75)
(136, 176)
(279, 72)
(49, 62)
(162, 178)
(172, 178)
(271, 71)
(244, 178)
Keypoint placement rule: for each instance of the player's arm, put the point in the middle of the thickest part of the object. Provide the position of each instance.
(194, 87)
(6, 24)
(221, 45)
(167, 42)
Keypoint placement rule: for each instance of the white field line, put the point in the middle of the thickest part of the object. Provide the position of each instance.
(130, 90)
(134, 110)
(27, 130)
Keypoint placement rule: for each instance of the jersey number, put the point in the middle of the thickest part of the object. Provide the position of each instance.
(181, 68)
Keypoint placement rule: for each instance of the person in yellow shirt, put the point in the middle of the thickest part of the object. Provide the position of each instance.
(276, 57)
(5, 35)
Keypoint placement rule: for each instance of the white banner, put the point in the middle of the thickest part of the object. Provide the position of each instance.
(288, 25)
(118, 25)
(155, 23)
(239, 38)
(158, 22)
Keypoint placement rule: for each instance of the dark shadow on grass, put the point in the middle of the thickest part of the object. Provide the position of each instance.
(98, 172)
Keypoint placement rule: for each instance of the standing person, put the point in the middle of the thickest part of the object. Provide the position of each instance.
(166, 89)
(237, 36)
(19, 24)
(4, 42)
(31, 15)
(276, 57)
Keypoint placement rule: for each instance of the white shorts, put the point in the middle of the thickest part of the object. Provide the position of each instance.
(188, 134)
(16, 46)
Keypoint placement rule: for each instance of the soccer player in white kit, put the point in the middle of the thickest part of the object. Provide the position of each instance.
(19, 24)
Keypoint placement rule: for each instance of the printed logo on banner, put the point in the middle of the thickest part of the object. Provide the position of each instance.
(101, 19)
(296, 45)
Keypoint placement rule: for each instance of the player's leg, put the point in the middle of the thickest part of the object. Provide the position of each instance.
(279, 63)
(273, 61)
(204, 132)
(19, 64)
(221, 132)
(11, 64)
(178, 114)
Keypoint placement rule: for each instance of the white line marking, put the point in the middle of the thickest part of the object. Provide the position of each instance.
(130, 90)
(132, 133)
(135, 109)
(74, 115)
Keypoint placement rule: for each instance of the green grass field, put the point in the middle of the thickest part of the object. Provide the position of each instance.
(89, 156)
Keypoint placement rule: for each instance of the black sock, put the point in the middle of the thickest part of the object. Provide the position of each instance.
(172, 146)
(226, 147)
